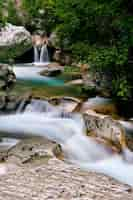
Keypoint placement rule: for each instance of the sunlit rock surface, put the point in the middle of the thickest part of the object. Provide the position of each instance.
(105, 127)
(45, 177)
(100, 105)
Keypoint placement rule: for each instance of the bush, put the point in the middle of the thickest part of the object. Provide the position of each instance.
(100, 33)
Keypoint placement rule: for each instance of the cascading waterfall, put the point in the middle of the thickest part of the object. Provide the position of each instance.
(41, 54)
(36, 54)
(44, 57)
(42, 119)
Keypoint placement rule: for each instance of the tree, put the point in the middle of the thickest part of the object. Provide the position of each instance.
(39, 14)
(103, 29)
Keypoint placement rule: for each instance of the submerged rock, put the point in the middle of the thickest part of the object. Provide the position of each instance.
(14, 41)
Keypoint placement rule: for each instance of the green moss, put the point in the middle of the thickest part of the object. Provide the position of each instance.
(7, 53)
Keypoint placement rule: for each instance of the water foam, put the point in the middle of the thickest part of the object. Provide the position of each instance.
(69, 132)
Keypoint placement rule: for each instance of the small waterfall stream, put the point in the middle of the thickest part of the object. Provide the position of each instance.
(36, 55)
(42, 119)
(41, 54)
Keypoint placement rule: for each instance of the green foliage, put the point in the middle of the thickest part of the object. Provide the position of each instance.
(2, 22)
(39, 14)
(108, 58)
(71, 69)
(121, 88)
(12, 13)
(100, 32)
(33, 14)
(80, 50)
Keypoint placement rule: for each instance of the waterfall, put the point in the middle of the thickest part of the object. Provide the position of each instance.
(41, 54)
(41, 119)
(44, 57)
(36, 54)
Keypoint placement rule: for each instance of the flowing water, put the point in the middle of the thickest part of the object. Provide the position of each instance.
(41, 54)
(39, 118)
(42, 119)
(31, 73)
(29, 80)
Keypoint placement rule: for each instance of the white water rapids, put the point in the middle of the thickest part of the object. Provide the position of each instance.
(67, 130)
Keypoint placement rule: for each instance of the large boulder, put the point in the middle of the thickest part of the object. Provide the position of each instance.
(14, 41)
(103, 126)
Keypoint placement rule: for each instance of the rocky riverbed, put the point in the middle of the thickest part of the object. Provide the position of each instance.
(30, 169)
(34, 173)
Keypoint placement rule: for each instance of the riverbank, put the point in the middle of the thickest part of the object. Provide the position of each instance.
(50, 178)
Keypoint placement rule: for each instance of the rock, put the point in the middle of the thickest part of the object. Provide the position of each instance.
(100, 105)
(75, 82)
(105, 127)
(98, 81)
(14, 41)
(39, 39)
(67, 104)
(7, 81)
(9, 99)
(55, 71)
(62, 57)
(57, 151)
(114, 133)
(54, 40)
(54, 64)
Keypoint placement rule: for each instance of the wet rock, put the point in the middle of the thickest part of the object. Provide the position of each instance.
(100, 105)
(67, 104)
(54, 64)
(32, 151)
(14, 41)
(55, 71)
(57, 151)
